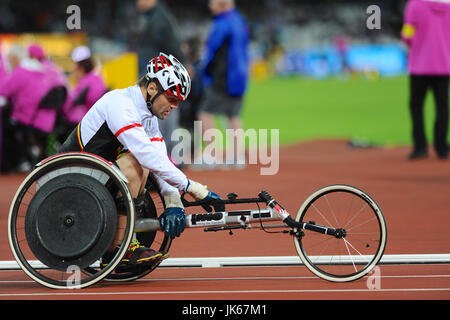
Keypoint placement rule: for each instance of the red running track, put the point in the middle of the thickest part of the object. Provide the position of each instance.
(414, 197)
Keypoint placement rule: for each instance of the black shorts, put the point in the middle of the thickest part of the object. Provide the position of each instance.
(217, 102)
(71, 144)
(109, 150)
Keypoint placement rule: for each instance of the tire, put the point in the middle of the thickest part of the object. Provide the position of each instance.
(80, 163)
(346, 258)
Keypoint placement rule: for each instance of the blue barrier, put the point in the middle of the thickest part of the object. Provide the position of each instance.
(321, 62)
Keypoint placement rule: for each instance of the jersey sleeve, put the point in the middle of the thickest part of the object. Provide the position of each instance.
(410, 22)
(164, 186)
(217, 36)
(124, 123)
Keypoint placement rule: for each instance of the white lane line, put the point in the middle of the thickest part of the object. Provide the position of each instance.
(252, 278)
(248, 278)
(74, 293)
(217, 262)
(283, 278)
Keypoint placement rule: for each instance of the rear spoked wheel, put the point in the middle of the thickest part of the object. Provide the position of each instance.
(360, 243)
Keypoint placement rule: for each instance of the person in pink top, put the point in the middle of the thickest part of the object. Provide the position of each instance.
(426, 31)
(57, 75)
(3, 70)
(54, 100)
(25, 89)
(3, 75)
(89, 88)
(26, 86)
(15, 55)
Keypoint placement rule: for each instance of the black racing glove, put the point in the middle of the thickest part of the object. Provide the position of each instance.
(201, 192)
(173, 221)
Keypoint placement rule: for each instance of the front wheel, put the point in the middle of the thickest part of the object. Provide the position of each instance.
(361, 243)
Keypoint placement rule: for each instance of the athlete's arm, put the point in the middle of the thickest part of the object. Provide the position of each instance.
(126, 127)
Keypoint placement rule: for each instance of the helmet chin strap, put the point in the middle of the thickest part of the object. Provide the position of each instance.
(152, 100)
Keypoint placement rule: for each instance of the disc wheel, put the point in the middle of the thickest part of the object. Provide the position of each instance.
(157, 240)
(361, 244)
(63, 219)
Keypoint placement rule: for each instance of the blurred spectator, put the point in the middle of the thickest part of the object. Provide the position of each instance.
(9, 160)
(3, 70)
(189, 108)
(88, 89)
(226, 67)
(426, 31)
(158, 32)
(3, 75)
(341, 44)
(27, 89)
(36, 52)
(15, 56)
(55, 99)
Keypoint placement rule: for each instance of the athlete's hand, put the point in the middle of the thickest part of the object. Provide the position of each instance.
(210, 198)
(173, 221)
(201, 192)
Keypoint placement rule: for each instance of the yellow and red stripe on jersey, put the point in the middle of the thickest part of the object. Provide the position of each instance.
(79, 137)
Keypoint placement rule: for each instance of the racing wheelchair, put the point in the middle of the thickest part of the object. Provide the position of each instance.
(64, 218)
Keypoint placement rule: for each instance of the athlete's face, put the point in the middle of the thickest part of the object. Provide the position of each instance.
(163, 104)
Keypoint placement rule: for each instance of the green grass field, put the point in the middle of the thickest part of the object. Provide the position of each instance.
(304, 109)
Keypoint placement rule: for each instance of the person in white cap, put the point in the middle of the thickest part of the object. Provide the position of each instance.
(81, 53)
(89, 88)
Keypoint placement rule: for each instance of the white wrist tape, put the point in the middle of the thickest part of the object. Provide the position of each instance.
(197, 190)
(172, 199)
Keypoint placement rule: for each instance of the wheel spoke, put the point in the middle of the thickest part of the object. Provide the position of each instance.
(331, 209)
(350, 255)
(323, 217)
(355, 215)
(362, 223)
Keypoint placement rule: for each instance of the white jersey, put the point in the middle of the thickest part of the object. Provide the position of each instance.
(121, 119)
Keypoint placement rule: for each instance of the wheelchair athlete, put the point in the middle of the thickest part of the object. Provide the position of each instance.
(126, 120)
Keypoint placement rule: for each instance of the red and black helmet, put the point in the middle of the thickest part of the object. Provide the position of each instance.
(171, 74)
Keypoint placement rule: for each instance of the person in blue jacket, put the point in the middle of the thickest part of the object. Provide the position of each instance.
(225, 68)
